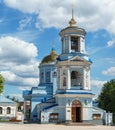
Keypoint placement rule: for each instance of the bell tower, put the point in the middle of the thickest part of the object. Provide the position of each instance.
(73, 75)
(73, 38)
(73, 63)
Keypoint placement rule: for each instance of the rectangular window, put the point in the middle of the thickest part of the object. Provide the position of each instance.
(96, 116)
(42, 77)
(54, 117)
(48, 77)
(74, 44)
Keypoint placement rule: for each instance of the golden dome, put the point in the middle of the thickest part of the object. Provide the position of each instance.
(50, 58)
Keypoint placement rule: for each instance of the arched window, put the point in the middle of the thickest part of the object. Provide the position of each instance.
(47, 77)
(74, 44)
(1, 110)
(64, 81)
(75, 79)
(8, 110)
(74, 74)
(42, 77)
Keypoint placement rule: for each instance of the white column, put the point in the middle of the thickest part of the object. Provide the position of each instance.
(59, 78)
(88, 79)
(11, 110)
(68, 114)
(79, 44)
(83, 40)
(63, 45)
(69, 42)
(84, 78)
(85, 113)
(4, 110)
(82, 45)
(68, 79)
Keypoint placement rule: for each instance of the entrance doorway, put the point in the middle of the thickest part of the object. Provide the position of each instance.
(76, 111)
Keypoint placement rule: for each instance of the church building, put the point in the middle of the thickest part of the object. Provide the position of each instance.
(64, 93)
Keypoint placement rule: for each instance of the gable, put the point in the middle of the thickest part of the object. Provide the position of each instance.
(77, 58)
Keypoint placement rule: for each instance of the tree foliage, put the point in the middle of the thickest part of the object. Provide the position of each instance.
(106, 98)
(1, 83)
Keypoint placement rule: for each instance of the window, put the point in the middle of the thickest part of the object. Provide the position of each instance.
(0, 110)
(42, 77)
(96, 116)
(64, 81)
(74, 44)
(66, 43)
(8, 110)
(48, 77)
(75, 79)
(54, 117)
(74, 74)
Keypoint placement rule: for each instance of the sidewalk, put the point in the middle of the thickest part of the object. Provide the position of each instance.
(4, 126)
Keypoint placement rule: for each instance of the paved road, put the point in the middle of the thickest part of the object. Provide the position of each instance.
(51, 127)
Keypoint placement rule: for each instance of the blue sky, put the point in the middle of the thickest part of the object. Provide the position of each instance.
(29, 28)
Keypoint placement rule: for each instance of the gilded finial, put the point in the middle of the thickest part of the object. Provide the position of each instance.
(72, 21)
(53, 46)
(72, 11)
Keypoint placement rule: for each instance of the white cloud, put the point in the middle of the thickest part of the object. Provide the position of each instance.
(16, 95)
(24, 22)
(97, 83)
(26, 6)
(110, 71)
(111, 43)
(24, 88)
(26, 35)
(26, 71)
(93, 50)
(92, 15)
(18, 63)
(13, 79)
(96, 86)
(15, 50)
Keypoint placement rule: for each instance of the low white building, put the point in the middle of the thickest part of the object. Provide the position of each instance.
(8, 108)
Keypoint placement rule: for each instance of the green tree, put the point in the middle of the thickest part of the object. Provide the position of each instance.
(17, 101)
(1, 83)
(106, 98)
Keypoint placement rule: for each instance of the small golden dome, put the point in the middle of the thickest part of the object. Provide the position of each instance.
(72, 22)
(50, 58)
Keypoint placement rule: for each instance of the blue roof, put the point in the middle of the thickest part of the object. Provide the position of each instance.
(71, 55)
(48, 107)
(74, 93)
(5, 100)
(26, 92)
